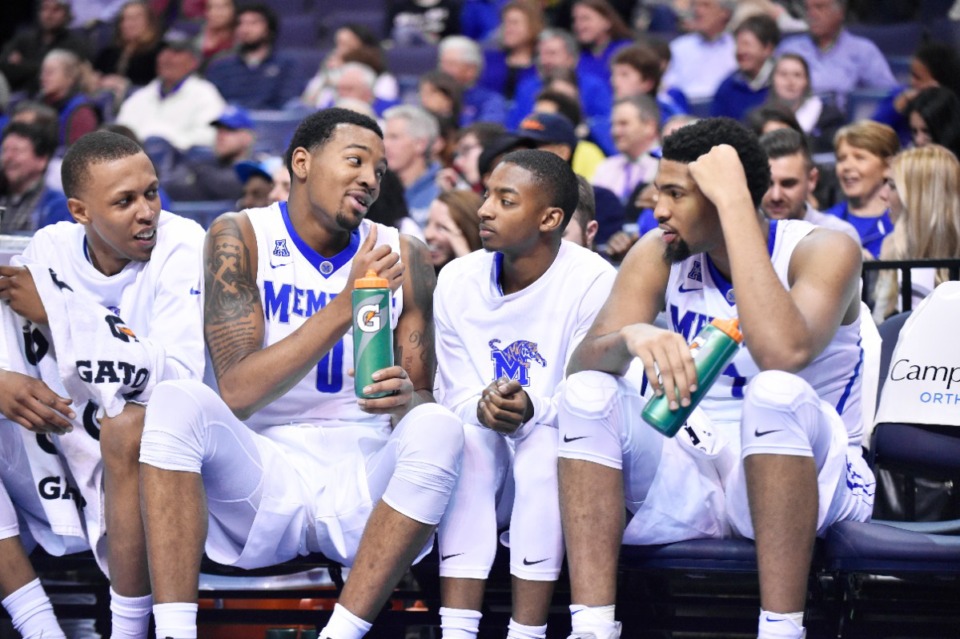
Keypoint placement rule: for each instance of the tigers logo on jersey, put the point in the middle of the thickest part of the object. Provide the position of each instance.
(280, 248)
(513, 362)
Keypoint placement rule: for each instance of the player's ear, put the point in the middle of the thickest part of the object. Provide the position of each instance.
(79, 211)
(300, 162)
(551, 220)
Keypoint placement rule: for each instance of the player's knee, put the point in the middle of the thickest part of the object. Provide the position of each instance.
(778, 390)
(777, 411)
(535, 471)
(589, 394)
(120, 437)
(174, 430)
(436, 435)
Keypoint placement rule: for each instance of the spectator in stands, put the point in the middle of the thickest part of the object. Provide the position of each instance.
(791, 88)
(793, 177)
(464, 171)
(934, 117)
(257, 76)
(409, 137)
(922, 191)
(839, 61)
(206, 176)
(600, 31)
(770, 117)
(60, 88)
(555, 133)
(582, 227)
(356, 43)
(414, 22)
(587, 156)
(256, 179)
(557, 51)
(635, 126)
(453, 226)
(461, 58)
(217, 35)
(513, 60)
(390, 207)
(281, 183)
(132, 58)
(933, 65)
(747, 87)
(440, 94)
(23, 55)
(355, 81)
(700, 60)
(27, 203)
(864, 150)
(31, 112)
(637, 70)
(177, 106)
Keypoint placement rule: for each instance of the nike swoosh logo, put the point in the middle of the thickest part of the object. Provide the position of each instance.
(526, 562)
(688, 290)
(567, 440)
(272, 265)
(769, 620)
(194, 291)
(445, 557)
(761, 433)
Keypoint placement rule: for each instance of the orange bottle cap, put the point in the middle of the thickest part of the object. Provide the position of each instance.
(731, 327)
(371, 280)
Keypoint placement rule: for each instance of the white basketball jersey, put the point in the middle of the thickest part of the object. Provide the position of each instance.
(295, 282)
(158, 299)
(697, 293)
(528, 335)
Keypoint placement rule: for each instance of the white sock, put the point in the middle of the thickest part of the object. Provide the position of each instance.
(519, 631)
(130, 616)
(32, 613)
(459, 623)
(176, 620)
(344, 624)
(775, 625)
(598, 620)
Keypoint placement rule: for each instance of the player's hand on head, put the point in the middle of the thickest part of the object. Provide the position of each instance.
(504, 406)
(393, 380)
(30, 403)
(18, 289)
(666, 355)
(719, 174)
(380, 259)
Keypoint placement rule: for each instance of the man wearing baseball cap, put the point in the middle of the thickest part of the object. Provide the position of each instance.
(177, 106)
(201, 176)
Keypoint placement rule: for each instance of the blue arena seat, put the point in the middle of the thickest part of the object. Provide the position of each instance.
(203, 213)
(697, 555)
(411, 60)
(862, 103)
(298, 30)
(892, 39)
(274, 129)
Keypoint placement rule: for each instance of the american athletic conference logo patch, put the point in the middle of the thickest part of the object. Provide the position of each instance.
(513, 362)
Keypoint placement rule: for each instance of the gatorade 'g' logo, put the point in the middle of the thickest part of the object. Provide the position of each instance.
(368, 318)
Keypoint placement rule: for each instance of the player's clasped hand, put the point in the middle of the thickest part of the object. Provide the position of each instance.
(668, 354)
(504, 406)
(392, 380)
(18, 289)
(30, 403)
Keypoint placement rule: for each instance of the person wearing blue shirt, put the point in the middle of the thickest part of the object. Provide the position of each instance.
(513, 60)
(600, 31)
(257, 76)
(747, 87)
(461, 58)
(27, 203)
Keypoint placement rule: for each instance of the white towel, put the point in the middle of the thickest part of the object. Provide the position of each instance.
(96, 360)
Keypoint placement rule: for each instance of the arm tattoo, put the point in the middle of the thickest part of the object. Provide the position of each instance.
(232, 297)
(424, 280)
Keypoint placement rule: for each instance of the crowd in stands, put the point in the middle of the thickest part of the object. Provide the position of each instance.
(194, 81)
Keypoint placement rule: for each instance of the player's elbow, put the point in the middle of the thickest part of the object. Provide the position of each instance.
(791, 360)
(237, 401)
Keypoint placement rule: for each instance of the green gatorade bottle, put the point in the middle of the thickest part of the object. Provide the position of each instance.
(712, 349)
(372, 333)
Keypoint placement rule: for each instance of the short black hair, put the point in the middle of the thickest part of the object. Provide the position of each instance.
(93, 148)
(688, 143)
(783, 142)
(264, 10)
(763, 27)
(316, 129)
(558, 180)
(943, 63)
(566, 106)
(41, 138)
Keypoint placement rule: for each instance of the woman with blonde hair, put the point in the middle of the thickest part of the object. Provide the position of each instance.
(923, 191)
(864, 150)
(453, 226)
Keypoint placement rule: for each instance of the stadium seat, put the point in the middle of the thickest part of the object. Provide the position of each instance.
(298, 30)
(288, 7)
(862, 103)
(203, 213)
(274, 130)
(372, 19)
(411, 60)
(892, 39)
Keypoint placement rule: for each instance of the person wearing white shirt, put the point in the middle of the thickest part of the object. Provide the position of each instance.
(702, 58)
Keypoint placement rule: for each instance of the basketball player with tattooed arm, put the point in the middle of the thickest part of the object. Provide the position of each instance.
(286, 460)
(773, 451)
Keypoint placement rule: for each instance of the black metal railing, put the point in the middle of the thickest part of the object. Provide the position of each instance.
(952, 266)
